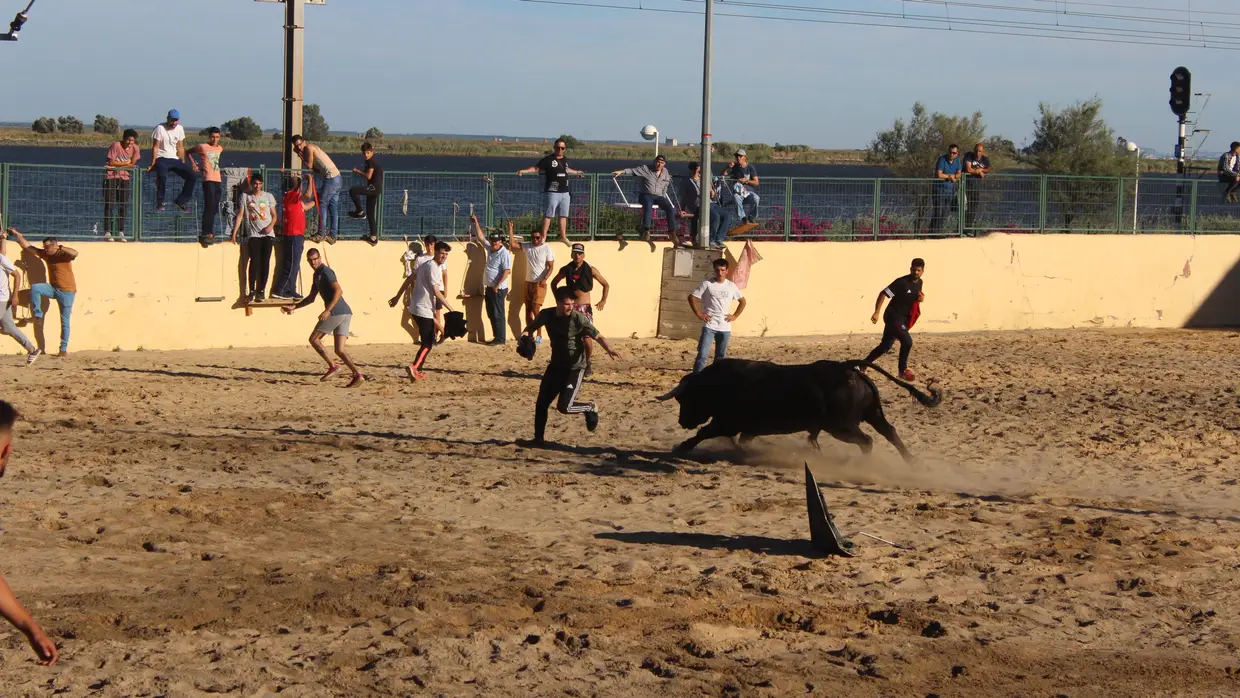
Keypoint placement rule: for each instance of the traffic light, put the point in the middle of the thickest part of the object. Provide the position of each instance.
(1181, 90)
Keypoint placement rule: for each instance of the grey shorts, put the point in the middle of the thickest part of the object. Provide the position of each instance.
(555, 204)
(337, 325)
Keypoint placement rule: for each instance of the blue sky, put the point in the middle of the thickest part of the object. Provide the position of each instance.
(509, 67)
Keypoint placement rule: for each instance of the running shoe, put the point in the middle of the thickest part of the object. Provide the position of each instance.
(33, 356)
(357, 380)
(591, 420)
(908, 375)
(414, 374)
(330, 372)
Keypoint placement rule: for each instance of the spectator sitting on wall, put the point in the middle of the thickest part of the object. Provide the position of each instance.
(655, 181)
(208, 154)
(314, 159)
(371, 189)
(947, 171)
(740, 176)
(691, 199)
(62, 286)
(1229, 172)
(976, 168)
(168, 155)
(123, 156)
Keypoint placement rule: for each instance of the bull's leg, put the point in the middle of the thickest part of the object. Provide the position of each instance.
(709, 431)
(745, 440)
(884, 428)
(855, 436)
(813, 439)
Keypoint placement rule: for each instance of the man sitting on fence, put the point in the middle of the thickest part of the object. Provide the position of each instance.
(655, 182)
(739, 175)
(1229, 172)
(63, 287)
(720, 219)
(168, 155)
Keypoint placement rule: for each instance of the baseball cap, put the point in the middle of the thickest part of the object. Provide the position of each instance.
(741, 151)
(578, 247)
(174, 114)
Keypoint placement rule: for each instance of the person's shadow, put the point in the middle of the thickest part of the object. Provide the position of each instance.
(406, 318)
(473, 293)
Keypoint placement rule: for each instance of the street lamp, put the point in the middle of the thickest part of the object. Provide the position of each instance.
(1136, 187)
(651, 133)
(15, 27)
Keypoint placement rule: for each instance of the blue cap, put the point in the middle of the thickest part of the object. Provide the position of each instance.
(174, 114)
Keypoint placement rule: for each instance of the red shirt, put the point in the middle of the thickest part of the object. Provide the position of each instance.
(294, 215)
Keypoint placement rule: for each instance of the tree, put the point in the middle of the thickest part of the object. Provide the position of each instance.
(570, 141)
(1076, 141)
(70, 124)
(106, 124)
(242, 129)
(44, 124)
(910, 150)
(373, 134)
(313, 124)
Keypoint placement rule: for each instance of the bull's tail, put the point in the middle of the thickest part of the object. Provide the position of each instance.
(931, 400)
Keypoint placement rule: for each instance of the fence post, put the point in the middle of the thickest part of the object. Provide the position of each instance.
(1042, 194)
(962, 203)
(878, 205)
(1119, 209)
(490, 199)
(4, 195)
(787, 207)
(135, 201)
(1192, 208)
(378, 208)
(592, 226)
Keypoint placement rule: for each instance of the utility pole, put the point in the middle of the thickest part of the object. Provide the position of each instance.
(294, 70)
(703, 232)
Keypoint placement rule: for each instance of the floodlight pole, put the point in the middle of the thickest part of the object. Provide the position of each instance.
(703, 232)
(294, 69)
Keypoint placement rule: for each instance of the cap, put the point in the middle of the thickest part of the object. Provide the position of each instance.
(496, 237)
(578, 247)
(741, 151)
(174, 114)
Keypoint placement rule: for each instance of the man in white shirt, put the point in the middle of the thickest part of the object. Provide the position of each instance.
(495, 279)
(539, 261)
(716, 296)
(8, 301)
(168, 155)
(427, 283)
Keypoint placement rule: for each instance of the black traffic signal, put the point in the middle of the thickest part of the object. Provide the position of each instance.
(1181, 90)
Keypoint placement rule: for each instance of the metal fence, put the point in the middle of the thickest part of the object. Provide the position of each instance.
(81, 203)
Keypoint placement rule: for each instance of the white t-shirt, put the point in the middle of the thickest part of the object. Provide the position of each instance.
(717, 300)
(422, 300)
(168, 140)
(6, 265)
(536, 258)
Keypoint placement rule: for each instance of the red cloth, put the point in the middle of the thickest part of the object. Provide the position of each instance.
(749, 257)
(294, 215)
(914, 314)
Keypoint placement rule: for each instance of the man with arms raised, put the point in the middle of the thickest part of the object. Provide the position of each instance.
(555, 190)
(495, 279)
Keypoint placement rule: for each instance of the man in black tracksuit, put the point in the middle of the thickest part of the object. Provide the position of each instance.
(904, 293)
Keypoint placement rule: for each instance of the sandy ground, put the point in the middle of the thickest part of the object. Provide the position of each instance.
(186, 523)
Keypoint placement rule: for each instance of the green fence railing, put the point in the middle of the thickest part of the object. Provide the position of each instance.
(82, 203)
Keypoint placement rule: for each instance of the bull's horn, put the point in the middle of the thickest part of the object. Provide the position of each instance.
(675, 391)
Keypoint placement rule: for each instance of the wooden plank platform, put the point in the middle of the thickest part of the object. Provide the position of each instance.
(742, 228)
(268, 303)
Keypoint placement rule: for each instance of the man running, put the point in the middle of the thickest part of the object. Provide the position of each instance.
(555, 191)
(10, 608)
(428, 287)
(334, 319)
(579, 277)
(314, 159)
(62, 286)
(904, 292)
(8, 301)
(561, 382)
(373, 172)
(428, 253)
(205, 159)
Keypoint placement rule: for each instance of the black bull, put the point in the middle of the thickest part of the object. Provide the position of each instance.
(757, 398)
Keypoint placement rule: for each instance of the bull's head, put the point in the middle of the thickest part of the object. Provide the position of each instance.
(694, 410)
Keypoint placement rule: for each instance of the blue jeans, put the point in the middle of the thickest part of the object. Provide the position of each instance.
(181, 169)
(289, 257)
(64, 300)
(495, 312)
(648, 202)
(329, 207)
(721, 221)
(720, 340)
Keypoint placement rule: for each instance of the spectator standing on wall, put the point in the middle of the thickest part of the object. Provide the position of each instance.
(539, 261)
(168, 155)
(123, 156)
(556, 197)
(691, 200)
(62, 286)
(334, 320)
(258, 215)
(655, 181)
(292, 240)
(740, 176)
(371, 189)
(205, 158)
(976, 168)
(8, 301)
(1229, 172)
(947, 171)
(495, 279)
(716, 295)
(906, 295)
(314, 159)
